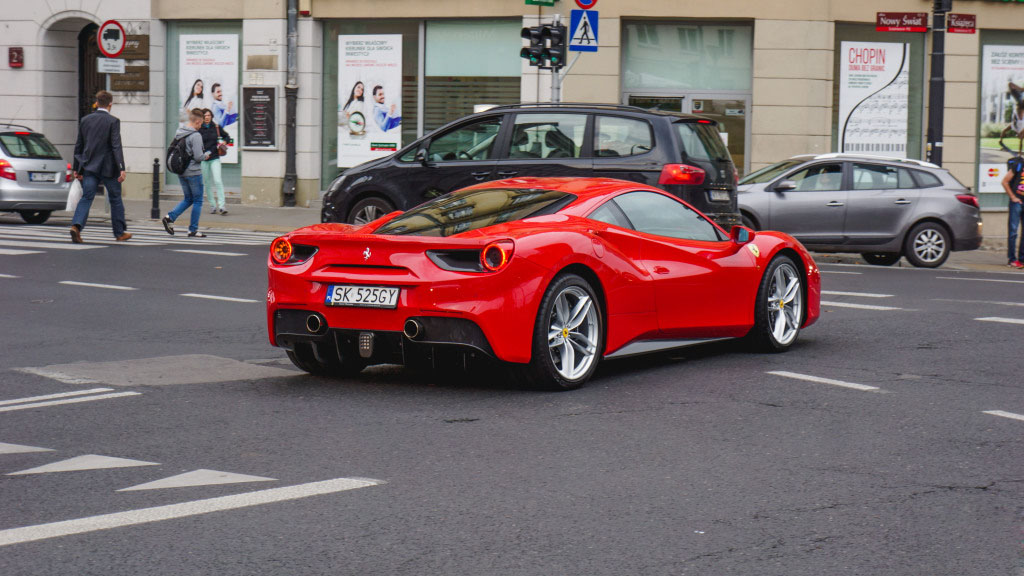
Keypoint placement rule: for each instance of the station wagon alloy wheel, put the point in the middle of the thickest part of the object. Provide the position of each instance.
(573, 333)
(929, 245)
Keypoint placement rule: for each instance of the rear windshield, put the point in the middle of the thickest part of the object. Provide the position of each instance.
(768, 173)
(702, 142)
(456, 213)
(27, 145)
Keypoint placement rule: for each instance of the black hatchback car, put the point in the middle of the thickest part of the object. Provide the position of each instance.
(680, 153)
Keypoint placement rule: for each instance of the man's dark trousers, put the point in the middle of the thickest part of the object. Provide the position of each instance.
(90, 186)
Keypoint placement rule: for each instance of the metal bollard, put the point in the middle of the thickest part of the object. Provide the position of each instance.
(154, 213)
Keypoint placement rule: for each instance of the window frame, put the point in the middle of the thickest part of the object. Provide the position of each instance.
(595, 132)
(721, 236)
(586, 147)
(845, 173)
(497, 148)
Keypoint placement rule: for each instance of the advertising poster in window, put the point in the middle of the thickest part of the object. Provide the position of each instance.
(208, 79)
(369, 97)
(874, 98)
(1002, 113)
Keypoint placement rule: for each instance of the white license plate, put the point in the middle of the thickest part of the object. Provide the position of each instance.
(720, 195)
(366, 296)
(42, 176)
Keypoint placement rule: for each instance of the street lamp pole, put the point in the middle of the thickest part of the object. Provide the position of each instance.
(937, 82)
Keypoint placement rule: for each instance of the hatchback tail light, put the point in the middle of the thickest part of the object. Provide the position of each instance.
(67, 175)
(968, 199)
(683, 174)
(7, 171)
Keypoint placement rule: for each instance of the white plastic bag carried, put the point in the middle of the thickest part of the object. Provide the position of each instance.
(74, 195)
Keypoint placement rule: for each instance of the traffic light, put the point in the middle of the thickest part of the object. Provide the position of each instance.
(535, 51)
(554, 54)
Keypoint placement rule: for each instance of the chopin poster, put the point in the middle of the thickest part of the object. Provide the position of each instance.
(208, 78)
(1002, 125)
(369, 97)
(874, 98)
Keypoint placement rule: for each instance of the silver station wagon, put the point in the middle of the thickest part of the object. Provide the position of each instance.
(34, 179)
(881, 208)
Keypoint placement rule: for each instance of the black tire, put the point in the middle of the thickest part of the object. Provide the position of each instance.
(34, 216)
(323, 359)
(369, 209)
(881, 258)
(748, 222)
(927, 245)
(541, 372)
(762, 336)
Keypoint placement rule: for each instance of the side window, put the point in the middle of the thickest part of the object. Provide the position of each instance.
(662, 216)
(906, 181)
(927, 180)
(472, 142)
(609, 213)
(819, 178)
(547, 136)
(875, 177)
(410, 155)
(614, 136)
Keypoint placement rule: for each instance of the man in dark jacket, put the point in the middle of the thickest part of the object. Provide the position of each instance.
(98, 156)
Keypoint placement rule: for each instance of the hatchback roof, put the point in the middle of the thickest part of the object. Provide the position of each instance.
(599, 106)
(6, 125)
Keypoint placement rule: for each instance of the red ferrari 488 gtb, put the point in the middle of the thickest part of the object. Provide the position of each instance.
(547, 274)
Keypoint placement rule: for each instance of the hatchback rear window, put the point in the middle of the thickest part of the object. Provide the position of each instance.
(701, 141)
(27, 145)
(457, 213)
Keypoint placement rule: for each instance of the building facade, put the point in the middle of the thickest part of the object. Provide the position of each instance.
(782, 78)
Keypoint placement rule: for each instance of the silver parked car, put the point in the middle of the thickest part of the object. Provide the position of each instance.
(34, 179)
(881, 208)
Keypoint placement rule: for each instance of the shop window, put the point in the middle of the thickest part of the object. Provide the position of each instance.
(706, 57)
(621, 137)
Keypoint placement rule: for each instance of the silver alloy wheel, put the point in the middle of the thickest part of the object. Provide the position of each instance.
(573, 333)
(367, 214)
(929, 245)
(785, 304)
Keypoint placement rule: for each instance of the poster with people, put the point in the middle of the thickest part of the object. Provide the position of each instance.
(208, 79)
(369, 97)
(874, 98)
(1002, 113)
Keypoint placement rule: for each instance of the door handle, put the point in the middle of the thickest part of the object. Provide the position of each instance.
(902, 201)
(508, 173)
(835, 204)
(480, 175)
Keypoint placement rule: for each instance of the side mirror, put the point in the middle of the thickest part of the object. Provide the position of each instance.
(785, 186)
(741, 234)
(421, 156)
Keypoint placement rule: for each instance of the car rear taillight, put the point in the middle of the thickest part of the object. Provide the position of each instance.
(67, 175)
(683, 174)
(969, 199)
(7, 171)
(496, 255)
(281, 250)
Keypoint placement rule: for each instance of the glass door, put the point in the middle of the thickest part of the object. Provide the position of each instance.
(729, 110)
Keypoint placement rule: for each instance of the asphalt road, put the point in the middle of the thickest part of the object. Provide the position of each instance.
(868, 448)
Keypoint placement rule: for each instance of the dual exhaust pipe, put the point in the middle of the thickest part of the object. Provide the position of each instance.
(413, 329)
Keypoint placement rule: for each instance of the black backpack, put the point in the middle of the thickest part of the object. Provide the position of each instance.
(178, 157)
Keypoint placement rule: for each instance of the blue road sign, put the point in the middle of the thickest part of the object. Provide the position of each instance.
(583, 31)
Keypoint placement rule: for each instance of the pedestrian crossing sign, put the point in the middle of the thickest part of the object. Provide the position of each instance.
(583, 31)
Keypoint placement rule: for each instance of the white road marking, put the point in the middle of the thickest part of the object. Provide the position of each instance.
(11, 252)
(91, 285)
(858, 306)
(818, 380)
(210, 252)
(181, 510)
(68, 246)
(978, 301)
(68, 401)
(224, 298)
(857, 294)
(20, 449)
(52, 396)
(9, 276)
(58, 376)
(87, 462)
(1005, 414)
(982, 280)
(198, 478)
(840, 272)
(1003, 320)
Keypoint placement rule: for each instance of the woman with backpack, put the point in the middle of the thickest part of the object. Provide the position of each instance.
(212, 135)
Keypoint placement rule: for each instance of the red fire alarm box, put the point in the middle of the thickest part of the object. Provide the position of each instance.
(15, 56)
